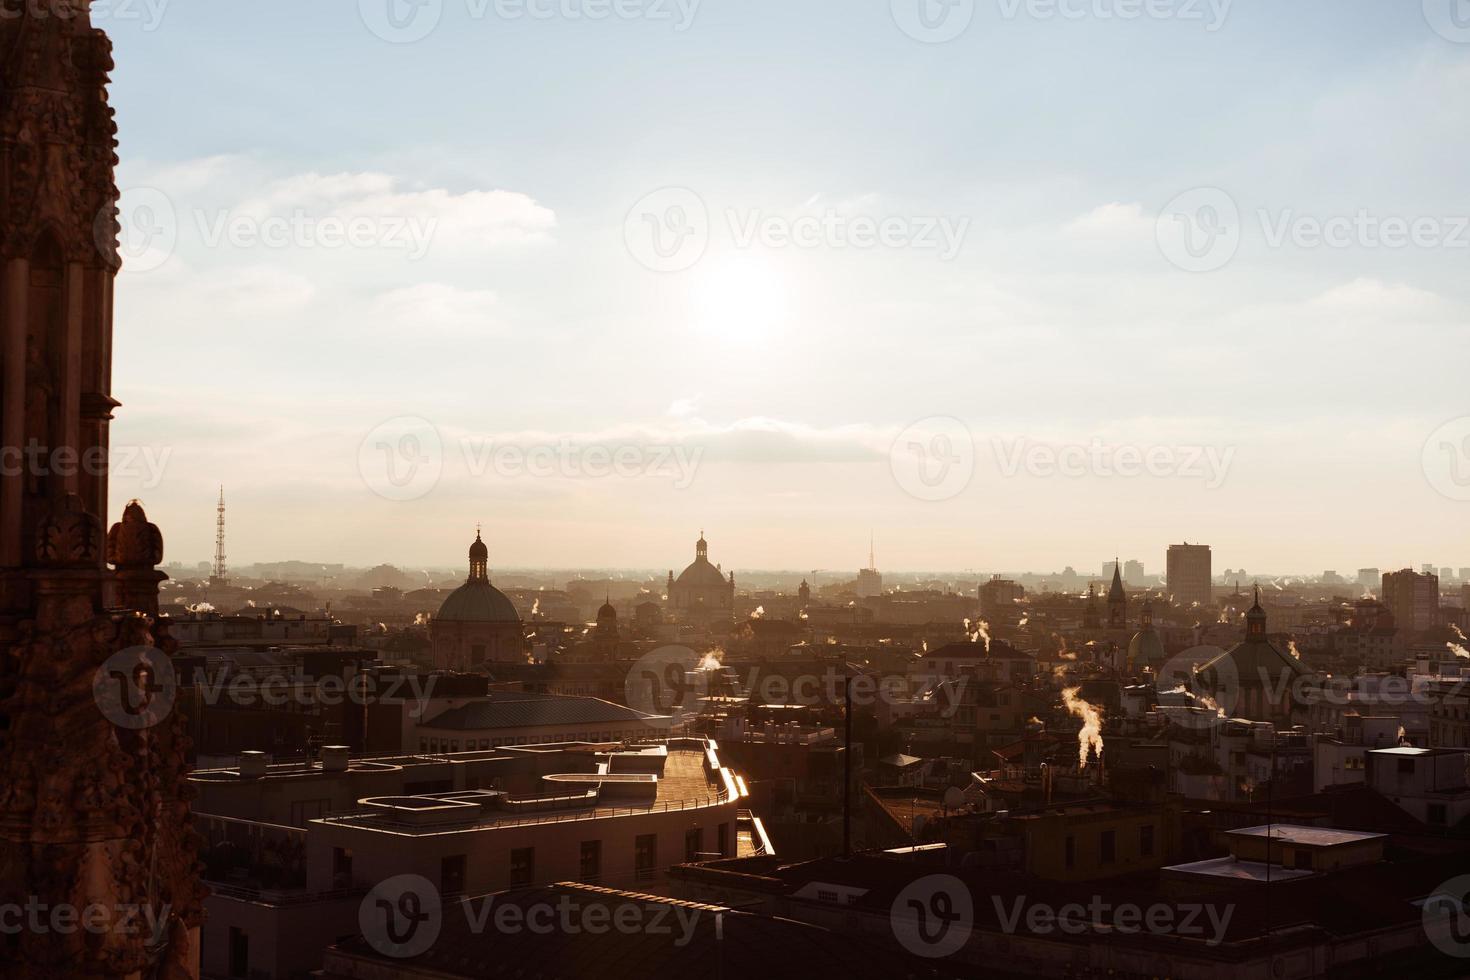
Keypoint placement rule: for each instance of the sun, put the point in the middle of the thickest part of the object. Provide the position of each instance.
(739, 299)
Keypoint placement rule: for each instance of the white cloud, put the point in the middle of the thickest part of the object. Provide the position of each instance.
(437, 308)
(1111, 221)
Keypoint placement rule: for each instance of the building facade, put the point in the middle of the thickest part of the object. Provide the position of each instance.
(1413, 598)
(1189, 574)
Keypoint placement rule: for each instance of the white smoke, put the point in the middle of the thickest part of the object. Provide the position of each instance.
(1090, 737)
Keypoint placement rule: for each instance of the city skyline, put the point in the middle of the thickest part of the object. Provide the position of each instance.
(620, 315)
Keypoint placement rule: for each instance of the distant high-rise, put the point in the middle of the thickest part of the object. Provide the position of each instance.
(870, 580)
(1188, 573)
(999, 596)
(1368, 578)
(1133, 572)
(1413, 598)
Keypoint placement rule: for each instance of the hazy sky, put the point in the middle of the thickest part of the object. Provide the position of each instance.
(599, 273)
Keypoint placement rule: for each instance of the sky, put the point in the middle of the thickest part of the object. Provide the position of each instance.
(1010, 284)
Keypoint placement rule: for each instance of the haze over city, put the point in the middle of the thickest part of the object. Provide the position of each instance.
(734, 489)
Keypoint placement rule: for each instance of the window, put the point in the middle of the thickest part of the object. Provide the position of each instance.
(522, 866)
(645, 855)
(591, 860)
(1436, 814)
(341, 867)
(1108, 846)
(451, 875)
(1071, 853)
(239, 953)
(1406, 767)
(693, 843)
(1146, 840)
(1302, 860)
(724, 839)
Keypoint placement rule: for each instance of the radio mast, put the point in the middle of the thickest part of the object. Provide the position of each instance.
(219, 577)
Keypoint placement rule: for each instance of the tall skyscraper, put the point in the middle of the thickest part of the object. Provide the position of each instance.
(1188, 574)
(1413, 598)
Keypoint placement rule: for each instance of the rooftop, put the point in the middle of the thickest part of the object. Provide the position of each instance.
(1229, 867)
(690, 777)
(1305, 836)
(504, 709)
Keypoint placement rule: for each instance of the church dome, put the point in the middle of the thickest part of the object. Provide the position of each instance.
(701, 574)
(607, 612)
(477, 601)
(1146, 649)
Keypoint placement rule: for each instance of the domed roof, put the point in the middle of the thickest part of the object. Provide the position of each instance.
(477, 601)
(701, 574)
(607, 612)
(1146, 649)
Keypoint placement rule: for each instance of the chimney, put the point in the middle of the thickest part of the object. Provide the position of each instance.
(335, 758)
(252, 765)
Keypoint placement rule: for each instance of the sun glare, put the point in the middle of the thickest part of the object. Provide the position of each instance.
(741, 299)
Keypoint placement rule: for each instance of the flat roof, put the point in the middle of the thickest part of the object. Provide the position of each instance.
(1229, 867)
(684, 784)
(1302, 836)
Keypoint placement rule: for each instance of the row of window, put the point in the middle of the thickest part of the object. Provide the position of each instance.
(645, 856)
(523, 860)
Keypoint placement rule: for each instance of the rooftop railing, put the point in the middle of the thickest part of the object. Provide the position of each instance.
(376, 820)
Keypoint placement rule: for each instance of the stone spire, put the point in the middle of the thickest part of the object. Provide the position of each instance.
(93, 760)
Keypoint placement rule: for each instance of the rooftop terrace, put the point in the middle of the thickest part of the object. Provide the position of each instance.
(685, 776)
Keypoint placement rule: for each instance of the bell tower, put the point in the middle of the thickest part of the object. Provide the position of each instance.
(93, 775)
